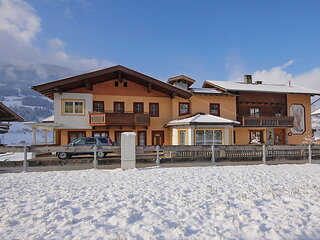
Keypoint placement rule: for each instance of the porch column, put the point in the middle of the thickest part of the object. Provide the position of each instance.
(192, 129)
(45, 136)
(34, 136)
(54, 136)
(226, 136)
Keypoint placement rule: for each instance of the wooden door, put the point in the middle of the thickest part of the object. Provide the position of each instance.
(279, 136)
(157, 137)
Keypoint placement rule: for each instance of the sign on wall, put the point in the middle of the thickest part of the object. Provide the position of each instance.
(297, 111)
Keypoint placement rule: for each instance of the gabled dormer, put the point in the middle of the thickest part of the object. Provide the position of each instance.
(181, 81)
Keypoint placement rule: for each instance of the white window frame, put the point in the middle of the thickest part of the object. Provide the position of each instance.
(73, 101)
(206, 139)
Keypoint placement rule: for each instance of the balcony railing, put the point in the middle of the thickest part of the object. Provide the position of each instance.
(267, 121)
(119, 119)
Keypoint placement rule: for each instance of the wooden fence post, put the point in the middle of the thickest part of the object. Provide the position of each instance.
(310, 153)
(213, 159)
(264, 154)
(25, 158)
(158, 155)
(95, 162)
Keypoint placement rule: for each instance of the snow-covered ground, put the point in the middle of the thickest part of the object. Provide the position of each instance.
(10, 156)
(243, 202)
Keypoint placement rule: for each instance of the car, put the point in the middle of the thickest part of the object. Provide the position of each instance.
(86, 141)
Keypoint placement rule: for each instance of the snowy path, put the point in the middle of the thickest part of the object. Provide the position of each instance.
(243, 202)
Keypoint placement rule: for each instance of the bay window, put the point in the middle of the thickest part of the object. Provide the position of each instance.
(208, 137)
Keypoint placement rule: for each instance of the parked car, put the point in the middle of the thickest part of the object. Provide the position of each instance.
(86, 141)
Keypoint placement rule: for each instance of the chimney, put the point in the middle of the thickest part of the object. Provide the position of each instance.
(247, 79)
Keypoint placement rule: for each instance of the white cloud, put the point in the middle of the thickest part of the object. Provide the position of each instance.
(279, 74)
(19, 25)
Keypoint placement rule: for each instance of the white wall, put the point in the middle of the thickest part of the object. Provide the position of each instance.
(72, 122)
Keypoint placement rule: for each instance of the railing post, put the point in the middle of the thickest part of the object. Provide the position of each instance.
(95, 162)
(264, 154)
(158, 155)
(310, 153)
(25, 158)
(213, 159)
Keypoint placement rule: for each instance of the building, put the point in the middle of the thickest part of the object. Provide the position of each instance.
(6, 116)
(117, 99)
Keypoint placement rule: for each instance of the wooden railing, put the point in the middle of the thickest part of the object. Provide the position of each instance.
(119, 119)
(267, 121)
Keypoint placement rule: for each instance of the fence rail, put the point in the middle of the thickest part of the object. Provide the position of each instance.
(185, 153)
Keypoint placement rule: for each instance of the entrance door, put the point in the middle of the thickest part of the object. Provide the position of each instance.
(279, 136)
(157, 137)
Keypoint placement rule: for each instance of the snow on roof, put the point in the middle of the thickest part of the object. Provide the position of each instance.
(316, 112)
(49, 119)
(202, 119)
(276, 88)
(206, 91)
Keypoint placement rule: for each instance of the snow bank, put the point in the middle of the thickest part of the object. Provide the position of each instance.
(242, 202)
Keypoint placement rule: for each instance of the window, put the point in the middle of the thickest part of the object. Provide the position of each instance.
(254, 112)
(256, 137)
(138, 107)
(116, 83)
(73, 107)
(98, 106)
(215, 109)
(277, 112)
(142, 138)
(100, 134)
(154, 109)
(208, 137)
(118, 107)
(125, 84)
(182, 137)
(73, 135)
(184, 108)
(91, 141)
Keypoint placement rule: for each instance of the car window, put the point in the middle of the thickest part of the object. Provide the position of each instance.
(103, 140)
(79, 141)
(91, 141)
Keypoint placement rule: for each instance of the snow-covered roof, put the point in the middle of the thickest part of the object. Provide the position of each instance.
(202, 119)
(205, 91)
(316, 112)
(48, 119)
(276, 88)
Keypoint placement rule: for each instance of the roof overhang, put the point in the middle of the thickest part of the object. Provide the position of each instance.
(7, 115)
(107, 74)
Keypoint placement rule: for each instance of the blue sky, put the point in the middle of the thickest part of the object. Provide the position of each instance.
(217, 40)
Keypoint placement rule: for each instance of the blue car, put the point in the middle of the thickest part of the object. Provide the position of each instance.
(86, 141)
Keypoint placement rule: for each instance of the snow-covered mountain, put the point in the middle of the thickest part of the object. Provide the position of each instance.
(15, 92)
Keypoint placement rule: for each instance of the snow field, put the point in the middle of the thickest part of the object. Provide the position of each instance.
(238, 202)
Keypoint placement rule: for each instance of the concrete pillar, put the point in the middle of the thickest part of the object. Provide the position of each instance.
(128, 150)
(34, 136)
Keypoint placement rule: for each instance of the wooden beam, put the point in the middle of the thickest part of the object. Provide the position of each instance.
(149, 87)
(88, 84)
(173, 95)
(58, 90)
(120, 76)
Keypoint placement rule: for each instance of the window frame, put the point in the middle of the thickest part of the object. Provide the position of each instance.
(63, 107)
(204, 136)
(188, 104)
(186, 136)
(255, 113)
(217, 104)
(134, 107)
(75, 132)
(158, 112)
(261, 136)
(114, 107)
(98, 102)
(145, 138)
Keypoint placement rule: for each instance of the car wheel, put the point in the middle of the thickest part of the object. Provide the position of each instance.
(62, 155)
(101, 154)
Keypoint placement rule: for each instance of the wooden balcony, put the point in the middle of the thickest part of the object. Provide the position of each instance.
(119, 119)
(267, 121)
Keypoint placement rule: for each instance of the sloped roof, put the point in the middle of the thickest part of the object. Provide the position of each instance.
(202, 119)
(211, 91)
(274, 88)
(107, 74)
(7, 115)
